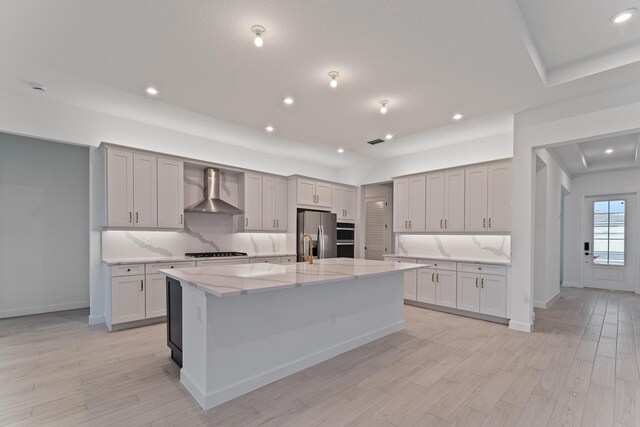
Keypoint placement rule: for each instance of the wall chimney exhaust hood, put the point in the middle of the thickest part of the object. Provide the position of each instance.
(212, 202)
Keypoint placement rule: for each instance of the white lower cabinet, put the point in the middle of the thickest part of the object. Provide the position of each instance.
(427, 285)
(156, 295)
(437, 287)
(410, 279)
(128, 299)
(469, 292)
(482, 293)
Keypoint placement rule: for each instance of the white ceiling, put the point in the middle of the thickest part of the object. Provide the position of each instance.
(429, 59)
(591, 156)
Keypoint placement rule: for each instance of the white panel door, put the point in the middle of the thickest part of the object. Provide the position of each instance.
(306, 191)
(446, 289)
(323, 194)
(454, 200)
(417, 203)
(493, 295)
(476, 199)
(119, 188)
(435, 202)
(281, 204)
(401, 204)
(468, 292)
(128, 302)
(145, 190)
(156, 295)
(499, 197)
(376, 239)
(410, 285)
(170, 193)
(252, 201)
(427, 285)
(337, 201)
(349, 201)
(268, 203)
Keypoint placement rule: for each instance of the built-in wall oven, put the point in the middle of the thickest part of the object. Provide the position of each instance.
(345, 238)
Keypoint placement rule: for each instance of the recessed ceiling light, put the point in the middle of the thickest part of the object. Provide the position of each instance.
(340, 150)
(288, 100)
(623, 16)
(269, 128)
(388, 136)
(334, 78)
(152, 91)
(38, 87)
(383, 106)
(258, 30)
(458, 116)
(609, 150)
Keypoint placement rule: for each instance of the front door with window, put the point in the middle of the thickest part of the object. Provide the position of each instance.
(609, 260)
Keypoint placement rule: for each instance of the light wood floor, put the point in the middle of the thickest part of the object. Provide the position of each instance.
(580, 367)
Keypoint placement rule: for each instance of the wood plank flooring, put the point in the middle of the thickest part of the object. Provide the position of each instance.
(580, 367)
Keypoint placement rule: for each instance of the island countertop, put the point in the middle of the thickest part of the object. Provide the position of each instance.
(231, 280)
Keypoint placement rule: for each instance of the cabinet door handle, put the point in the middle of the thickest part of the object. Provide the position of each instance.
(273, 223)
(246, 222)
(440, 223)
(277, 223)
(482, 283)
(136, 217)
(484, 222)
(405, 225)
(437, 277)
(445, 223)
(181, 219)
(130, 216)
(433, 279)
(476, 282)
(489, 222)
(141, 285)
(409, 224)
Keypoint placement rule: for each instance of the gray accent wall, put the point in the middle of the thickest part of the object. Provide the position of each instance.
(44, 226)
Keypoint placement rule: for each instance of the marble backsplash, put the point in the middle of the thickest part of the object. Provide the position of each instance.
(481, 247)
(202, 233)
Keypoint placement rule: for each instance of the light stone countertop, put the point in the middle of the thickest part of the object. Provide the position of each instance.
(230, 280)
(154, 260)
(451, 259)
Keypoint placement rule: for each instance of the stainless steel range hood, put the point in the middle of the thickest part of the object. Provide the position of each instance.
(212, 202)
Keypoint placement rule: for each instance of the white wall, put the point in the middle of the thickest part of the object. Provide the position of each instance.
(44, 226)
(623, 181)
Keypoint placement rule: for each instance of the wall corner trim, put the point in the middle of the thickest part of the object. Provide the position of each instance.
(521, 326)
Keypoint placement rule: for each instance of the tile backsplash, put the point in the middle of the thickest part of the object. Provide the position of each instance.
(481, 247)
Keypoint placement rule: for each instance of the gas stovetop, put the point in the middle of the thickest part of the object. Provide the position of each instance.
(214, 254)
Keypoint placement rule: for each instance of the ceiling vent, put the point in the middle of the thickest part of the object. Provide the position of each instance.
(375, 141)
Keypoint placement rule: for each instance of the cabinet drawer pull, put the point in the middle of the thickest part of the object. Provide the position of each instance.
(130, 216)
(141, 285)
(136, 217)
(476, 282)
(181, 219)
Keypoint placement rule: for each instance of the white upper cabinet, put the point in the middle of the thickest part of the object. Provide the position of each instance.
(435, 203)
(409, 204)
(499, 197)
(170, 193)
(343, 202)
(145, 190)
(454, 196)
(253, 201)
(476, 199)
(274, 204)
(313, 193)
(119, 191)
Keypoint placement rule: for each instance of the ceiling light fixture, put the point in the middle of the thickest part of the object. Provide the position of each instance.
(609, 150)
(269, 128)
(334, 78)
(258, 30)
(152, 91)
(383, 108)
(388, 136)
(623, 16)
(340, 150)
(288, 100)
(458, 116)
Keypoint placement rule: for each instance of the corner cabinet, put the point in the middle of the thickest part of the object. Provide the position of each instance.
(409, 204)
(343, 202)
(142, 190)
(265, 203)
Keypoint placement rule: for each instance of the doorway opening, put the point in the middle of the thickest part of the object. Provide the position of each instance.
(378, 211)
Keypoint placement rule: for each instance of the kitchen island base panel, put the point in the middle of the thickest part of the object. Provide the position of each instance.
(234, 345)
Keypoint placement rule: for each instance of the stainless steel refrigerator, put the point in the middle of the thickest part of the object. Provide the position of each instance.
(322, 228)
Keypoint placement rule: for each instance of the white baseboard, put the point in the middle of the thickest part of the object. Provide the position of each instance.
(546, 304)
(26, 311)
(217, 397)
(96, 320)
(520, 326)
(572, 285)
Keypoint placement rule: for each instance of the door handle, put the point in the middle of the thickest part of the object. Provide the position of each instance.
(437, 277)
(445, 223)
(489, 222)
(136, 217)
(181, 219)
(476, 282)
(440, 223)
(484, 222)
(246, 222)
(433, 277)
(141, 285)
(130, 216)
(409, 224)
(482, 283)
(277, 223)
(406, 227)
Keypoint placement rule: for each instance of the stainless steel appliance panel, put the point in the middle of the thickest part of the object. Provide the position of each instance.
(322, 228)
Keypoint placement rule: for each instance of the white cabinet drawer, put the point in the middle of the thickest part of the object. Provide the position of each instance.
(126, 270)
(440, 265)
(498, 270)
(211, 262)
(407, 260)
(288, 260)
(270, 260)
(154, 268)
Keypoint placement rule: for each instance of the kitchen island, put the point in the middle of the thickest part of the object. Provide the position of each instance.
(245, 326)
